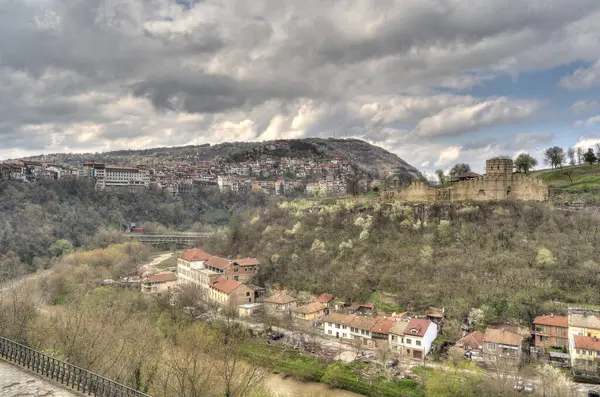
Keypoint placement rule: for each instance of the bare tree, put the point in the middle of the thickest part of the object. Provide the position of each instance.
(571, 155)
(579, 155)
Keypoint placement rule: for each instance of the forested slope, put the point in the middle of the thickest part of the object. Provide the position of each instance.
(33, 217)
(511, 259)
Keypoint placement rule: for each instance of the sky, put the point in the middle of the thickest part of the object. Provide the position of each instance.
(434, 81)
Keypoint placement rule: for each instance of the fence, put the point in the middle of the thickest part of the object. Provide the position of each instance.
(68, 375)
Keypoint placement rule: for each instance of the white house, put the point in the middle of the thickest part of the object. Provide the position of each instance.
(419, 334)
(396, 336)
(348, 326)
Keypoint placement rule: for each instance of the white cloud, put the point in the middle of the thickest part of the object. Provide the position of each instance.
(448, 155)
(458, 120)
(588, 122)
(586, 142)
(585, 105)
(582, 78)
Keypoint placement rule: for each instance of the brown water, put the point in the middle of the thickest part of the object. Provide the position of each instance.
(289, 387)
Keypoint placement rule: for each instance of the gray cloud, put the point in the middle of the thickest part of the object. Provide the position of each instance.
(105, 74)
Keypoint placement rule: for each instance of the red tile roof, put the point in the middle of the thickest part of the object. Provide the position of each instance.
(417, 327)
(553, 321)
(225, 285)
(383, 325)
(160, 278)
(502, 336)
(281, 299)
(587, 343)
(218, 262)
(195, 254)
(324, 298)
(247, 261)
(474, 340)
(313, 307)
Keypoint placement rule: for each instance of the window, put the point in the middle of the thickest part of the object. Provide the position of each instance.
(418, 342)
(337, 326)
(344, 327)
(249, 300)
(344, 335)
(408, 341)
(329, 332)
(490, 346)
(393, 337)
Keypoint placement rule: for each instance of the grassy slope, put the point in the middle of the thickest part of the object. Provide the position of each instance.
(585, 186)
(585, 177)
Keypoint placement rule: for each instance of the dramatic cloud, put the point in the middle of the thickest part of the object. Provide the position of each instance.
(415, 76)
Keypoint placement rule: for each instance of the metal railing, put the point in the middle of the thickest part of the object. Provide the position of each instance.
(68, 375)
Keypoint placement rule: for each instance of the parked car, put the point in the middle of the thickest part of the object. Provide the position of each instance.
(593, 393)
(528, 387)
(276, 335)
(519, 385)
(392, 363)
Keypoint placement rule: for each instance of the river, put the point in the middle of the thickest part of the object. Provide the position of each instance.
(289, 387)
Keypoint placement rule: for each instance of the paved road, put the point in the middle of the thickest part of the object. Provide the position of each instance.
(16, 382)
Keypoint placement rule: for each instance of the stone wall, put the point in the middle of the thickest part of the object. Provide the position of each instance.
(499, 185)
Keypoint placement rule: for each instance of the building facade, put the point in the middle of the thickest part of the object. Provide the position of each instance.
(499, 183)
(159, 283)
(551, 332)
(419, 335)
(502, 348)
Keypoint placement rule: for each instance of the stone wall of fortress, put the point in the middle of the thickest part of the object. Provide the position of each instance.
(495, 187)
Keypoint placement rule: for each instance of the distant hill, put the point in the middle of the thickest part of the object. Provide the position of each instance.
(374, 160)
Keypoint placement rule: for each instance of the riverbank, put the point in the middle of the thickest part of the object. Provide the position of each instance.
(346, 376)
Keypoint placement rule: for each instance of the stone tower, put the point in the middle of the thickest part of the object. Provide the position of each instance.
(499, 168)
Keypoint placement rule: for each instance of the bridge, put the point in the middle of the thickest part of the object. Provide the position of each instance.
(54, 377)
(183, 239)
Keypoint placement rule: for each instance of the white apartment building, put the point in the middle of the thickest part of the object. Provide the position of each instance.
(191, 269)
(109, 176)
(347, 326)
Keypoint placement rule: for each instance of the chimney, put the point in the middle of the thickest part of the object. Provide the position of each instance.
(551, 314)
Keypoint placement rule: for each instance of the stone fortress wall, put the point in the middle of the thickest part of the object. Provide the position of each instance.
(499, 183)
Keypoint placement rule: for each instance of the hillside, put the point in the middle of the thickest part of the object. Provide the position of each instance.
(507, 258)
(372, 159)
(578, 183)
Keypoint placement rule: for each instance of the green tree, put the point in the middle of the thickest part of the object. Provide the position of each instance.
(590, 157)
(459, 170)
(571, 155)
(441, 176)
(525, 162)
(555, 156)
(61, 247)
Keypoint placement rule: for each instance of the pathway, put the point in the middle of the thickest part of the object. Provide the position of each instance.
(16, 382)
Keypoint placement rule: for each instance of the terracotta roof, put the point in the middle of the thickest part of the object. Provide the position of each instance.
(502, 336)
(195, 254)
(225, 285)
(434, 312)
(281, 299)
(339, 318)
(160, 278)
(313, 307)
(356, 306)
(474, 340)
(363, 322)
(553, 321)
(324, 298)
(587, 343)
(399, 327)
(470, 174)
(383, 325)
(419, 325)
(247, 261)
(218, 262)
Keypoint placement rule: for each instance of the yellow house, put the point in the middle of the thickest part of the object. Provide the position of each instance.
(582, 322)
(586, 354)
(312, 311)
